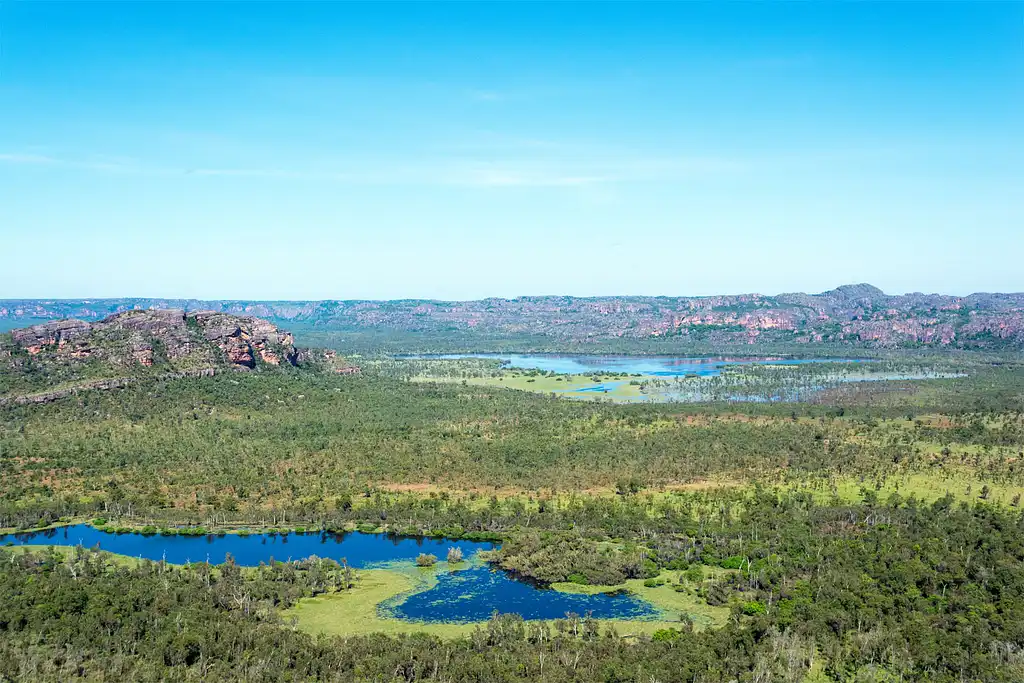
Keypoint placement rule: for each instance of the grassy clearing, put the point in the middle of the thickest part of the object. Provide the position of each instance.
(64, 521)
(670, 602)
(363, 609)
(925, 486)
(569, 386)
(66, 551)
(354, 612)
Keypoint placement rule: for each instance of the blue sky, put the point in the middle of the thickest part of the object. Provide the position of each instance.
(463, 150)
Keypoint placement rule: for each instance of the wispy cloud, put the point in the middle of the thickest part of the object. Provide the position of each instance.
(90, 164)
(512, 177)
(538, 165)
(28, 159)
(441, 172)
(488, 95)
(248, 173)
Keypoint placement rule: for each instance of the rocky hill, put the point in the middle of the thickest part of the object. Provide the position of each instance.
(859, 315)
(136, 344)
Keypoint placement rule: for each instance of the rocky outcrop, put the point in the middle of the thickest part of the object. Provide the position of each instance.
(244, 339)
(149, 337)
(58, 334)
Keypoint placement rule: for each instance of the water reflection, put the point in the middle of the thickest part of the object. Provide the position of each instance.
(464, 595)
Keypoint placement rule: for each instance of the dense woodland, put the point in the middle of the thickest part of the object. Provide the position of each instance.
(881, 591)
(305, 447)
(787, 514)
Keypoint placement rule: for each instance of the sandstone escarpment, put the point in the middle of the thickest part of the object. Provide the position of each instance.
(244, 339)
(860, 315)
(158, 337)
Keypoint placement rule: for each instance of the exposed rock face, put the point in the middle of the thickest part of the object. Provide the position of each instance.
(852, 314)
(59, 334)
(147, 337)
(244, 339)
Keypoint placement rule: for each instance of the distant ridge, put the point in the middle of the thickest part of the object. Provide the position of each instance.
(855, 314)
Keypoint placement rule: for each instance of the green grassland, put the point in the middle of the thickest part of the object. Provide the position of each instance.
(662, 594)
(68, 552)
(963, 486)
(620, 388)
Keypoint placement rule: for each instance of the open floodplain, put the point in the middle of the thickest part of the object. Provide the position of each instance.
(666, 379)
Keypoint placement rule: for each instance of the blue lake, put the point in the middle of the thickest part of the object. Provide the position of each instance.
(475, 593)
(465, 595)
(662, 366)
(358, 549)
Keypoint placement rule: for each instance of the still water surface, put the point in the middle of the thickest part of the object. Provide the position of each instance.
(662, 366)
(475, 593)
(358, 549)
(465, 595)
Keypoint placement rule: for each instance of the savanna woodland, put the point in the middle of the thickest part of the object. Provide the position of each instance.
(815, 529)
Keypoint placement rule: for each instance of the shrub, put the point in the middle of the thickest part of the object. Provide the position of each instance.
(425, 560)
(753, 607)
(665, 635)
(734, 562)
(716, 594)
(454, 555)
(650, 569)
(625, 487)
(454, 532)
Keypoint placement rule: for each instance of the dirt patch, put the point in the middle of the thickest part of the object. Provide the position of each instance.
(457, 491)
(411, 488)
(702, 485)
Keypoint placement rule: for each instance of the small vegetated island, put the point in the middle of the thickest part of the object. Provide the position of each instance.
(190, 493)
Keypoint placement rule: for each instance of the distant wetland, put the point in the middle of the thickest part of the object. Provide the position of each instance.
(663, 379)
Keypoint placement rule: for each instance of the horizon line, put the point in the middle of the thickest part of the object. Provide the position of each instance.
(97, 299)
